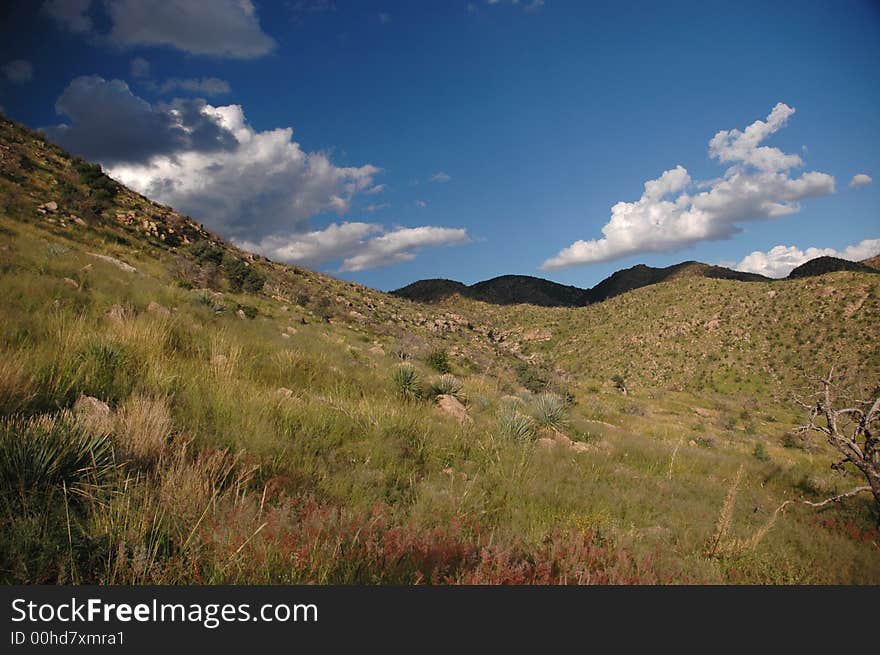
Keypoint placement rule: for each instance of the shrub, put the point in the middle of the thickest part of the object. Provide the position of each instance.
(449, 385)
(760, 452)
(531, 378)
(241, 276)
(106, 371)
(516, 425)
(48, 454)
(439, 361)
(249, 312)
(549, 411)
(407, 382)
(206, 252)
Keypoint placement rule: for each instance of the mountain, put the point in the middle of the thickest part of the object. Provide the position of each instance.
(825, 264)
(873, 262)
(502, 290)
(516, 289)
(641, 276)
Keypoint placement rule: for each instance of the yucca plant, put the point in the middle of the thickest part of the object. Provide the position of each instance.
(516, 425)
(449, 385)
(549, 411)
(51, 453)
(407, 382)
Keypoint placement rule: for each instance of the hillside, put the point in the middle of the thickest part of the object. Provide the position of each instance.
(211, 416)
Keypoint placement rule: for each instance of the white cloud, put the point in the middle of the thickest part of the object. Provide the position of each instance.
(206, 160)
(377, 207)
(421, 204)
(780, 260)
(373, 190)
(18, 71)
(220, 28)
(139, 68)
(860, 180)
(70, 15)
(758, 186)
(441, 177)
(356, 244)
(209, 86)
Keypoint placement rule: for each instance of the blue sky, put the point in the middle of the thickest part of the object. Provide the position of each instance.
(468, 140)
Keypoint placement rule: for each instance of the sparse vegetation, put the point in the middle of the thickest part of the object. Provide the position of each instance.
(222, 450)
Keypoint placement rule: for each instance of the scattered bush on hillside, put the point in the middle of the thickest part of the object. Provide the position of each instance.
(516, 425)
(241, 276)
(532, 378)
(760, 452)
(439, 361)
(407, 382)
(549, 411)
(46, 455)
(449, 385)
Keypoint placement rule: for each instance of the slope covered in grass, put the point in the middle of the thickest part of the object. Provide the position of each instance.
(262, 423)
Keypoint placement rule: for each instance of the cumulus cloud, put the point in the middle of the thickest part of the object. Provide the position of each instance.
(206, 160)
(18, 71)
(780, 260)
(139, 68)
(360, 246)
(209, 86)
(758, 185)
(220, 28)
(860, 180)
(70, 15)
(441, 177)
(109, 124)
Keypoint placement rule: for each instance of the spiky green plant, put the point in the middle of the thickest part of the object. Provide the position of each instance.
(407, 382)
(549, 411)
(50, 453)
(449, 385)
(516, 425)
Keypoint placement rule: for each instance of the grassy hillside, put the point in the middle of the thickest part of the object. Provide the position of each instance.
(185, 412)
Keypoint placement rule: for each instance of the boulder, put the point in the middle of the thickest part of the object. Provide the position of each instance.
(377, 350)
(157, 309)
(121, 265)
(451, 406)
(117, 313)
(91, 407)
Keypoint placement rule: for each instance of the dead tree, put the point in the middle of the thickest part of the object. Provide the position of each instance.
(853, 431)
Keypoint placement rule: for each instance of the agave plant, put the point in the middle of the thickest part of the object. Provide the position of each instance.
(549, 411)
(448, 384)
(516, 425)
(40, 455)
(406, 380)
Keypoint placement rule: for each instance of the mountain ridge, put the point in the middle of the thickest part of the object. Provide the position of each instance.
(526, 289)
